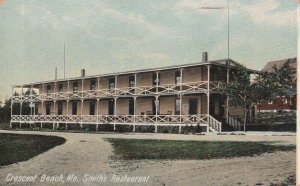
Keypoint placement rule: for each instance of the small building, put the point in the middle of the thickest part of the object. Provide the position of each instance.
(178, 95)
(280, 103)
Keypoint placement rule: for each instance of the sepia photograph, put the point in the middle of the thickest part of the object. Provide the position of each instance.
(149, 92)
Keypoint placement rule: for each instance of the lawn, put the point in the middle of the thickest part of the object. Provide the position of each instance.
(134, 149)
(17, 147)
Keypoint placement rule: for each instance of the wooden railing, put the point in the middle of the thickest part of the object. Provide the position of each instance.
(234, 123)
(176, 120)
(166, 89)
(214, 124)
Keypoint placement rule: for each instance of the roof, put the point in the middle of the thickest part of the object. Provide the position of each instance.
(220, 62)
(279, 64)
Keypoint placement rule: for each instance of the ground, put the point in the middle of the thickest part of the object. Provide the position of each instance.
(91, 154)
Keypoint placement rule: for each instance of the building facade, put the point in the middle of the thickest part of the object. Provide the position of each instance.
(172, 96)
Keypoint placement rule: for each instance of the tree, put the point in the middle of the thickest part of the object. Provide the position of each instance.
(242, 92)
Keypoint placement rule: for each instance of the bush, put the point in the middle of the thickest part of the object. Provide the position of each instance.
(145, 128)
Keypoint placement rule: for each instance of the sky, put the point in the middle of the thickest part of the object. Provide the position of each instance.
(104, 36)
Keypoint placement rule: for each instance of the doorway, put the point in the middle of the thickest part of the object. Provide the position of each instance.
(193, 106)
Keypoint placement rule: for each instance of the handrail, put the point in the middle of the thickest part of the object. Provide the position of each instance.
(215, 124)
(234, 123)
(138, 90)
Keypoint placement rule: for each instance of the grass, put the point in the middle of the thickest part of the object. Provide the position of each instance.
(17, 147)
(136, 149)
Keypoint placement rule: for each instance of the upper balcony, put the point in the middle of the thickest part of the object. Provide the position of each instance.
(202, 78)
(166, 89)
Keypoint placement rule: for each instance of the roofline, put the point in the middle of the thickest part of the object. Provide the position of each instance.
(212, 62)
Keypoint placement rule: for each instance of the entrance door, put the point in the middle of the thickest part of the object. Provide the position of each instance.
(111, 106)
(131, 107)
(193, 105)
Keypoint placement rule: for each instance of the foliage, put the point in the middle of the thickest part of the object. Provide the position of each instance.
(242, 92)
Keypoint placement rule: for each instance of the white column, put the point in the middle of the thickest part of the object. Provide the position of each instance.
(134, 109)
(98, 102)
(67, 107)
(208, 88)
(157, 75)
(156, 107)
(82, 81)
(11, 106)
(54, 107)
(43, 108)
(31, 99)
(227, 101)
(116, 81)
(115, 106)
(180, 94)
(135, 83)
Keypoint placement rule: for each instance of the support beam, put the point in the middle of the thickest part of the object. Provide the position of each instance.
(227, 101)
(157, 81)
(67, 107)
(208, 89)
(180, 93)
(156, 107)
(115, 106)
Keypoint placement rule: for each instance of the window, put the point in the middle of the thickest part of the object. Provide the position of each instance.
(177, 106)
(75, 86)
(74, 108)
(48, 88)
(60, 108)
(92, 108)
(111, 84)
(131, 81)
(93, 84)
(285, 101)
(155, 79)
(270, 102)
(48, 108)
(60, 87)
(177, 77)
(111, 107)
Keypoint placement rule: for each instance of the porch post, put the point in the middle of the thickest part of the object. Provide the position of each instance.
(180, 93)
(115, 106)
(227, 101)
(116, 81)
(42, 107)
(54, 107)
(98, 102)
(82, 88)
(30, 92)
(81, 112)
(134, 109)
(208, 88)
(11, 107)
(157, 81)
(156, 107)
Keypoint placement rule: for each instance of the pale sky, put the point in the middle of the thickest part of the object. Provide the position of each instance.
(105, 36)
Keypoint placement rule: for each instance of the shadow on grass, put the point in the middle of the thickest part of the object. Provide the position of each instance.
(18, 147)
(135, 149)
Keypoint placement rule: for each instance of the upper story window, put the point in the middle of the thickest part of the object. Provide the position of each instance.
(48, 88)
(60, 87)
(155, 78)
(285, 101)
(111, 83)
(177, 77)
(131, 81)
(93, 84)
(75, 86)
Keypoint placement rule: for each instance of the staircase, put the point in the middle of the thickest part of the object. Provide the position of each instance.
(214, 125)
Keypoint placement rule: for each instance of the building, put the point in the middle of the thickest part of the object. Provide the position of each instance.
(280, 103)
(170, 96)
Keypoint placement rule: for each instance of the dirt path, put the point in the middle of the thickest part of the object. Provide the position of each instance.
(90, 154)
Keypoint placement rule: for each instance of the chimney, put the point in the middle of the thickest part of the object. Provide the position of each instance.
(82, 72)
(204, 57)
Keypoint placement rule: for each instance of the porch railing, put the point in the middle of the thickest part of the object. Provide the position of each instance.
(234, 123)
(190, 87)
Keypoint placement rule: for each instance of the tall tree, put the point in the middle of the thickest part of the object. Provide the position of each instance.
(242, 92)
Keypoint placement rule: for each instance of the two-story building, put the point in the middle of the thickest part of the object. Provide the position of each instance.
(176, 95)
